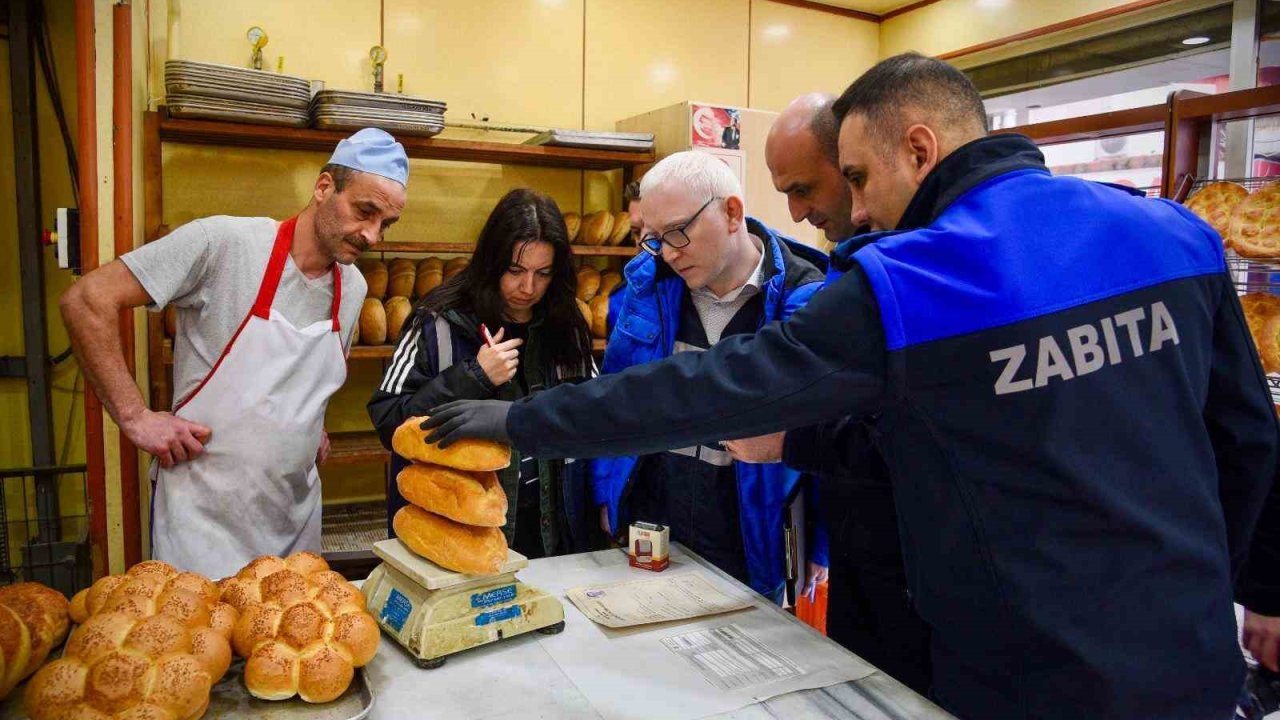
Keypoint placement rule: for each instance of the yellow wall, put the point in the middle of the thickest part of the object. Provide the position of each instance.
(951, 25)
(546, 63)
(786, 39)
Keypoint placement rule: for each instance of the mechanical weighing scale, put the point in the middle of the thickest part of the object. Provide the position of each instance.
(434, 613)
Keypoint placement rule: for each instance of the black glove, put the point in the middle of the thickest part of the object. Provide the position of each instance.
(482, 419)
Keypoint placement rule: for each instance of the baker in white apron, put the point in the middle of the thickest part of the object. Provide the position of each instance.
(255, 489)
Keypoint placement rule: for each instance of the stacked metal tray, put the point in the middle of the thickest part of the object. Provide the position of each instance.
(624, 142)
(223, 92)
(346, 110)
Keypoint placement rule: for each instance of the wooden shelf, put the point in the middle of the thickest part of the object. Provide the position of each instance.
(349, 448)
(1095, 127)
(359, 352)
(209, 132)
(371, 352)
(379, 352)
(447, 247)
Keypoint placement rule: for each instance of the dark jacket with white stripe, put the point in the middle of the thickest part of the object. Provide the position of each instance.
(1078, 428)
(414, 383)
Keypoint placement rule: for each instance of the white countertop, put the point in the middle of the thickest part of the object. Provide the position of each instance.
(520, 677)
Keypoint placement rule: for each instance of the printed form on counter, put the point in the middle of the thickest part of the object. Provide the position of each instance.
(640, 602)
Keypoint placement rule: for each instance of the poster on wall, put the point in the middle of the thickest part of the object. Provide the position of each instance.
(714, 127)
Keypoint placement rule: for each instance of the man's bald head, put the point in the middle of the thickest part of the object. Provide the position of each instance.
(801, 152)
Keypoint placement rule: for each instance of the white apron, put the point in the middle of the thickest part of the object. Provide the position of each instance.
(255, 490)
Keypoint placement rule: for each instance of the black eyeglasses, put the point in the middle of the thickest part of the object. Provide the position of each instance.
(675, 237)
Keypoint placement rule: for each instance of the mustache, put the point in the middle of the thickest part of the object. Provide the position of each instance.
(358, 242)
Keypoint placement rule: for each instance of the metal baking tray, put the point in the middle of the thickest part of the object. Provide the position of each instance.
(406, 128)
(389, 101)
(377, 114)
(229, 91)
(200, 108)
(232, 72)
(623, 142)
(230, 700)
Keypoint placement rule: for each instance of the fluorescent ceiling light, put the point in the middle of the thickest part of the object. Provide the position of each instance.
(1196, 40)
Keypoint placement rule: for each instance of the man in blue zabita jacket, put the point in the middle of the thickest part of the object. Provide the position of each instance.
(1076, 422)
(733, 276)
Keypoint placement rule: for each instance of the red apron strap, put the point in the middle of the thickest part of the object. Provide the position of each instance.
(275, 269)
(337, 294)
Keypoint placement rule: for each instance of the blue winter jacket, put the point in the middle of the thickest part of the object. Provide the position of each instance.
(1077, 425)
(643, 317)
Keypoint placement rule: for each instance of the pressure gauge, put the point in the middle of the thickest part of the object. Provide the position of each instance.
(378, 54)
(257, 37)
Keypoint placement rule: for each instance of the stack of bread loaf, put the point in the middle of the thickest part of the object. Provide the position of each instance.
(33, 621)
(456, 502)
(392, 287)
(151, 643)
(302, 627)
(598, 228)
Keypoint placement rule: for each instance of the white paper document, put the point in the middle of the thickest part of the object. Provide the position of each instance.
(730, 658)
(640, 602)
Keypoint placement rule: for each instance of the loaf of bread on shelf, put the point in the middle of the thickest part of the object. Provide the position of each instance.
(398, 310)
(621, 227)
(402, 277)
(572, 222)
(303, 628)
(429, 278)
(373, 322)
(588, 282)
(1255, 223)
(410, 442)
(33, 621)
(1261, 310)
(1215, 203)
(451, 545)
(600, 316)
(609, 281)
(119, 666)
(430, 263)
(597, 227)
(587, 315)
(471, 498)
(455, 266)
(375, 276)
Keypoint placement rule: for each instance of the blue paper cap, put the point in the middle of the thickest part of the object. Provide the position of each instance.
(373, 151)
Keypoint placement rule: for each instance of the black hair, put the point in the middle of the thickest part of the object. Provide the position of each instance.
(341, 174)
(883, 93)
(522, 216)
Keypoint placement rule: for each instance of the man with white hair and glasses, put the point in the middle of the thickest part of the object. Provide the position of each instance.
(708, 272)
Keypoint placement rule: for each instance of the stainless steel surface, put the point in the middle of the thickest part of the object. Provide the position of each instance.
(231, 91)
(389, 101)
(624, 142)
(207, 109)
(214, 70)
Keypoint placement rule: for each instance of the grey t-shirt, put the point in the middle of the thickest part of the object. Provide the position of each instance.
(211, 269)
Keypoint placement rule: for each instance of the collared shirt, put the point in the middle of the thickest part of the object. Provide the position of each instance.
(716, 311)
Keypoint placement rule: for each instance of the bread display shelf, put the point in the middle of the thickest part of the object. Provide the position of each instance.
(467, 248)
(209, 132)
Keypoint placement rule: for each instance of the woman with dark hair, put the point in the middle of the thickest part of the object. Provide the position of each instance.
(521, 286)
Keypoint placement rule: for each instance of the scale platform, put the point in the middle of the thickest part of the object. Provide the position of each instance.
(435, 613)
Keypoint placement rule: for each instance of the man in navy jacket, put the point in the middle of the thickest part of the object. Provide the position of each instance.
(1076, 422)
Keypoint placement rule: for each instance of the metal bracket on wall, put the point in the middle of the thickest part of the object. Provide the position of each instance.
(12, 366)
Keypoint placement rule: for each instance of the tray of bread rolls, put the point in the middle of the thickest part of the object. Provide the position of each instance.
(282, 638)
